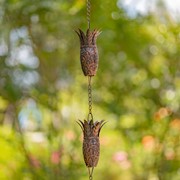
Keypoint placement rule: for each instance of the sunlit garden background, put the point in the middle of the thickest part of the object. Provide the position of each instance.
(43, 91)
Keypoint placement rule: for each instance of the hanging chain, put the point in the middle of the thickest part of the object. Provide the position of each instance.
(90, 115)
(88, 12)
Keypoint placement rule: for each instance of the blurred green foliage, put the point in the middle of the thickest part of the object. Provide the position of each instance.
(43, 91)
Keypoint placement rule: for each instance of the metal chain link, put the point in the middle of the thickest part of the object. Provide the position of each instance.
(88, 12)
(90, 173)
(90, 177)
(90, 115)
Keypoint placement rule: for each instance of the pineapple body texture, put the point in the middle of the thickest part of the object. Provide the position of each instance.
(88, 51)
(91, 150)
(91, 144)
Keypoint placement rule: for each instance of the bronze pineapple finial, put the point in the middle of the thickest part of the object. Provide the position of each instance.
(91, 145)
(88, 52)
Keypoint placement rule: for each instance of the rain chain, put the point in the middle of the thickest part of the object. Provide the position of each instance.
(89, 64)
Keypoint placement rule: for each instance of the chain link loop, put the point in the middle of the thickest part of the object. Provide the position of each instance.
(90, 173)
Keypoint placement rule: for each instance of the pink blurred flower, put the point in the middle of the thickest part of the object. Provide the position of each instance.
(121, 158)
(55, 157)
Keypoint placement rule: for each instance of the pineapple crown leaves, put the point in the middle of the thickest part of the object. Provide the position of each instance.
(91, 128)
(89, 38)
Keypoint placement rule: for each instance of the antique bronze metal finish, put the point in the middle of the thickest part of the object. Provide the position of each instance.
(91, 145)
(88, 51)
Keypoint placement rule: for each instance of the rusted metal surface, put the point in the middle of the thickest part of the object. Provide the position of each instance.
(91, 144)
(88, 51)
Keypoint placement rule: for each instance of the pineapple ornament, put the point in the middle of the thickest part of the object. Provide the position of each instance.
(88, 53)
(89, 64)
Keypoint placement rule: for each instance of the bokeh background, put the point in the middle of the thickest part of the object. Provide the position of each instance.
(43, 91)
